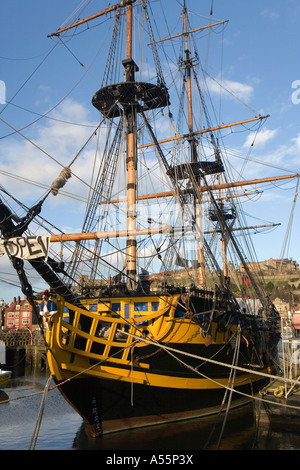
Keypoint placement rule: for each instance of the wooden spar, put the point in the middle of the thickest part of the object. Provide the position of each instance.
(187, 32)
(204, 131)
(245, 183)
(71, 237)
(213, 187)
(234, 196)
(173, 194)
(80, 22)
(236, 229)
(115, 7)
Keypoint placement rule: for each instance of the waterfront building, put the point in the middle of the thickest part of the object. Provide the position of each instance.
(19, 315)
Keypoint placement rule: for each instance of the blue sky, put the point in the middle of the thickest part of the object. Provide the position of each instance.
(257, 57)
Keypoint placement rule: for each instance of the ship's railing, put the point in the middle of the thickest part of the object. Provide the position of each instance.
(99, 335)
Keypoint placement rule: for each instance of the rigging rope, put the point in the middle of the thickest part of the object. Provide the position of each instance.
(290, 223)
(87, 70)
(30, 76)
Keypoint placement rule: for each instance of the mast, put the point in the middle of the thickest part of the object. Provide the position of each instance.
(197, 200)
(131, 160)
(223, 236)
(128, 99)
(122, 100)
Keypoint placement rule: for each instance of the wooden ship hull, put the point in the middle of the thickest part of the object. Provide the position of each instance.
(135, 361)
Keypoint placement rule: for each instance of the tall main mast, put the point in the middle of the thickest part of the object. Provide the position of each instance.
(193, 148)
(131, 160)
(126, 100)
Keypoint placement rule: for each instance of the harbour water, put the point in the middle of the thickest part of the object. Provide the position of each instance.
(61, 427)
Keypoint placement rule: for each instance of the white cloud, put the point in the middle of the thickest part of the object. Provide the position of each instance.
(267, 13)
(297, 142)
(259, 139)
(54, 141)
(231, 88)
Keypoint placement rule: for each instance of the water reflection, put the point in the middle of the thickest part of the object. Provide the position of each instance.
(3, 396)
(62, 429)
(272, 439)
(189, 435)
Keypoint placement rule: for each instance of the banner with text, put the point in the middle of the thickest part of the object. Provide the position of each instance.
(26, 248)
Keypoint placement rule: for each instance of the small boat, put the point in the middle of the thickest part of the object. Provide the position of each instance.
(5, 376)
(148, 326)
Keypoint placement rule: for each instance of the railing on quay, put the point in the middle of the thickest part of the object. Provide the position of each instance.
(19, 338)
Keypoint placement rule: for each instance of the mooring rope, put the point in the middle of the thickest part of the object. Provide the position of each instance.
(231, 381)
(212, 361)
(40, 416)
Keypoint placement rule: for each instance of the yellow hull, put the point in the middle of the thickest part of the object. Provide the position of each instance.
(145, 347)
(72, 349)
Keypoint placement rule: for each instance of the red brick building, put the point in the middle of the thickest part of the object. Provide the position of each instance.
(18, 315)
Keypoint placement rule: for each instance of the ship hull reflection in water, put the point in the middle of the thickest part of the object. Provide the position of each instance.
(195, 434)
(61, 427)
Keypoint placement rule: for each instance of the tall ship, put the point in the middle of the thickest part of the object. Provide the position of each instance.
(151, 321)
